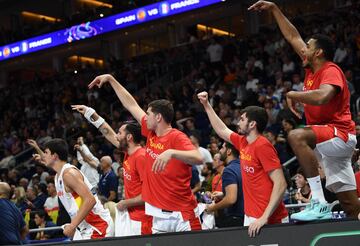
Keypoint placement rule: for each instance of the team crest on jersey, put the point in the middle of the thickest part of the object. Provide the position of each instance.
(244, 156)
(309, 83)
(126, 165)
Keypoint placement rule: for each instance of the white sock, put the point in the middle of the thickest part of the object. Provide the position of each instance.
(317, 192)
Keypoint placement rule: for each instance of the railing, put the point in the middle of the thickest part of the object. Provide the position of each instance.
(288, 162)
(300, 205)
(54, 228)
(47, 241)
(296, 205)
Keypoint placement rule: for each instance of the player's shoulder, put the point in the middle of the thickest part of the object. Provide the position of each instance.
(236, 137)
(262, 141)
(331, 66)
(141, 151)
(71, 172)
(139, 154)
(175, 134)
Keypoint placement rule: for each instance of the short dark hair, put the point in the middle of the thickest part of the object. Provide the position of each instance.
(163, 107)
(135, 130)
(326, 44)
(196, 136)
(43, 188)
(290, 121)
(234, 151)
(257, 114)
(209, 166)
(42, 214)
(58, 146)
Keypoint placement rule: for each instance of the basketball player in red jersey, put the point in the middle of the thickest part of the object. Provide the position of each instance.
(166, 188)
(262, 176)
(128, 140)
(329, 136)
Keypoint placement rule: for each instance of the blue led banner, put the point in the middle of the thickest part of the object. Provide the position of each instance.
(104, 25)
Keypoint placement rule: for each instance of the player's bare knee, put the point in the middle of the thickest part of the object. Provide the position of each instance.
(296, 138)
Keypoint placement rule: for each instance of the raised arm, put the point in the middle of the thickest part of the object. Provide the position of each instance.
(34, 144)
(87, 156)
(220, 128)
(103, 126)
(180, 122)
(289, 31)
(124, 96)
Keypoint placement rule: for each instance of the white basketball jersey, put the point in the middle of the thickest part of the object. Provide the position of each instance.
(72, 201)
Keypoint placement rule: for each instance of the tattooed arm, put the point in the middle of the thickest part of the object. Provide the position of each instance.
(104, 128)
(109, 134)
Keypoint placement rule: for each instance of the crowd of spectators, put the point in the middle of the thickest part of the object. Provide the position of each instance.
(236, 72)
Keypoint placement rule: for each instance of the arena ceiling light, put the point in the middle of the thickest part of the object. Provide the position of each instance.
(39, 16)
(84, 59)
(97, 3)
(215, 31)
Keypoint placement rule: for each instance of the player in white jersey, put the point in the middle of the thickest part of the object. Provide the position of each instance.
(87, 214)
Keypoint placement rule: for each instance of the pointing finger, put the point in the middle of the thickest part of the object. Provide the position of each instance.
(93, 83)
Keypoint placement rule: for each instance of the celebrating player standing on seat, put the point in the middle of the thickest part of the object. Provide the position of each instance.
(330, 133)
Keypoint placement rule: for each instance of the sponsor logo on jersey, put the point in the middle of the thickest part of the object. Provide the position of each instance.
(126, 175)
(248, 169)
(151, 153)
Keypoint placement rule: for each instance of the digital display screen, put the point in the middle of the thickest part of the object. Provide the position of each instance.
(100, 26)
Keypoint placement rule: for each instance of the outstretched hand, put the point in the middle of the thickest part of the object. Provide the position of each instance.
(80, 108)
(261, 5)
(100, 80)
(32, 143)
